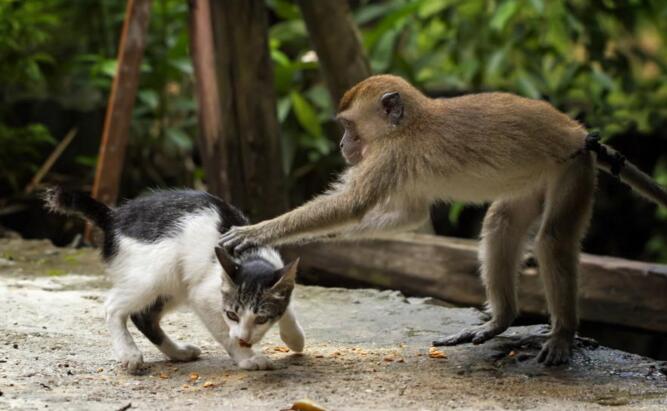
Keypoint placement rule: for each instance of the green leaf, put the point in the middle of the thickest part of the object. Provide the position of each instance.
(109, 67)
(429, 8)
(602, 78)
(178, 138)
(184, 65)
(455, 210)
(393, 22)
(149, 98)
(305, 114)
(527, 86)
(284, 107)
(503, 14)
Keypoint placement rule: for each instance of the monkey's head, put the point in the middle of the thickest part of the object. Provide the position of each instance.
(373, 110)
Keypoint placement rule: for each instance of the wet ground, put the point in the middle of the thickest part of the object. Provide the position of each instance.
(364, 350)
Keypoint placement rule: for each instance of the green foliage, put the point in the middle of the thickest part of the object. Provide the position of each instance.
(601, 61)
(21, 151)
(24, 35)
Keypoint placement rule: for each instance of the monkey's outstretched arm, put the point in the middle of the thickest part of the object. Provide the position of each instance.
(379, 221)
(346, 203)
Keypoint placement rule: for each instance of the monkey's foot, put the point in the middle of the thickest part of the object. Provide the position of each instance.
(475, 335)
(555, 351)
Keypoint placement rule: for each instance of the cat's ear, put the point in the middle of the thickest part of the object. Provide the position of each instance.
(287, 275)
(228, 264)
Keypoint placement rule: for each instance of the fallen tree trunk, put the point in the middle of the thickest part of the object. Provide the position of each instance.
(611, 290)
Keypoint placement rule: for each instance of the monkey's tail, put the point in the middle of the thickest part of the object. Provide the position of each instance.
(614, 163)
(62, 201)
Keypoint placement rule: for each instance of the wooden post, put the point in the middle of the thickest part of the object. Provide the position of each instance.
(337, 43)
(240, 137)
(119, 109)
(212, 149)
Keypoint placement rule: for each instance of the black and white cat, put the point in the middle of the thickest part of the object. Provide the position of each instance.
(161, 250)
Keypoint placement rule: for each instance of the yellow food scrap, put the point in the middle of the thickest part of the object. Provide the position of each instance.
(209, 384)
(389, 358)
(306, 405)
(436, 353)
(164, 375)
(194, 376)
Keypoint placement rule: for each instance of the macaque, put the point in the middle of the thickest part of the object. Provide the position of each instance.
(406, 151)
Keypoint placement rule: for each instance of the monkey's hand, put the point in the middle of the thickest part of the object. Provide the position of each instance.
(241, 238)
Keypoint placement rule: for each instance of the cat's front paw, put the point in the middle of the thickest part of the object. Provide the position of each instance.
(132, 361)
(256, 362)
(293, 338)
(185, 352)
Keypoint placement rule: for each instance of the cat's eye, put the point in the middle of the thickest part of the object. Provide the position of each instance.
(232, 316)
(261, 319)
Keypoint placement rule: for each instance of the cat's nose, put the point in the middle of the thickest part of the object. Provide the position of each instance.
(244, 343)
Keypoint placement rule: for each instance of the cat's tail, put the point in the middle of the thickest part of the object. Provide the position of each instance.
(64, 201)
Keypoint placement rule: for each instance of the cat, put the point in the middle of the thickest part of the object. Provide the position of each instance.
(161, 251)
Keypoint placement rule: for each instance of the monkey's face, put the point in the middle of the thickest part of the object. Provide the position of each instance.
(351, 145)
(367, 120)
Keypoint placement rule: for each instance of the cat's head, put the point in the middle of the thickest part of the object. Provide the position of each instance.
(255, 294)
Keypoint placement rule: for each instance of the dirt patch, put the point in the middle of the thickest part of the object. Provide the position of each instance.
(364, 350)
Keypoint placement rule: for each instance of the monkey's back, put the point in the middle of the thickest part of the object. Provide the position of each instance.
(501, 142)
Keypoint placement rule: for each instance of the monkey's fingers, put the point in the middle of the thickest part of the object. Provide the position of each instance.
(231, 239)
(245, 246)
(462, 337)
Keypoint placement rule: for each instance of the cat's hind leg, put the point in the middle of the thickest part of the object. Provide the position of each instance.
(118, 309)
(290, 331)
(148, 322)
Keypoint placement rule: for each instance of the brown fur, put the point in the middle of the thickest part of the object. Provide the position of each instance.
(521, 154)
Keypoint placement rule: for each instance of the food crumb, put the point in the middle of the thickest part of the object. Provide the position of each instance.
(436, 353)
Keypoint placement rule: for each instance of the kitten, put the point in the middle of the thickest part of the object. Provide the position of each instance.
(161, 250)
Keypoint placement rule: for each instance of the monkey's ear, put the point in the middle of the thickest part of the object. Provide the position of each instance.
(393, 106)
(227, 262)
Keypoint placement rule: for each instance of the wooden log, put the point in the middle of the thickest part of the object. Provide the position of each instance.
(611, 290)
(248, 145)
(337, 42)
(121, 101)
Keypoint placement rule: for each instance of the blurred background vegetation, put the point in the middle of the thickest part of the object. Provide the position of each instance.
(602, 61)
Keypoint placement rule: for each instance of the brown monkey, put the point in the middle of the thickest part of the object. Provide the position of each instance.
(406, 151)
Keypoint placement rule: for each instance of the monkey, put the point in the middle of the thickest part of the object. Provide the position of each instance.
(405, 151)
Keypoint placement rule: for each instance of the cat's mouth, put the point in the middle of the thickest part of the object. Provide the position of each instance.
(244, 343)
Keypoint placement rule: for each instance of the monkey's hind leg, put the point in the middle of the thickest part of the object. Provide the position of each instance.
(503, 233)
(568, 208)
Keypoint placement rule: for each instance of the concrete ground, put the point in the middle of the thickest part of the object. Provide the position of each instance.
(365, 350)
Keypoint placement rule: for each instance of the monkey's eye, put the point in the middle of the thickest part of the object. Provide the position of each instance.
(232, 316)
(344, 122)
(261, 319)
